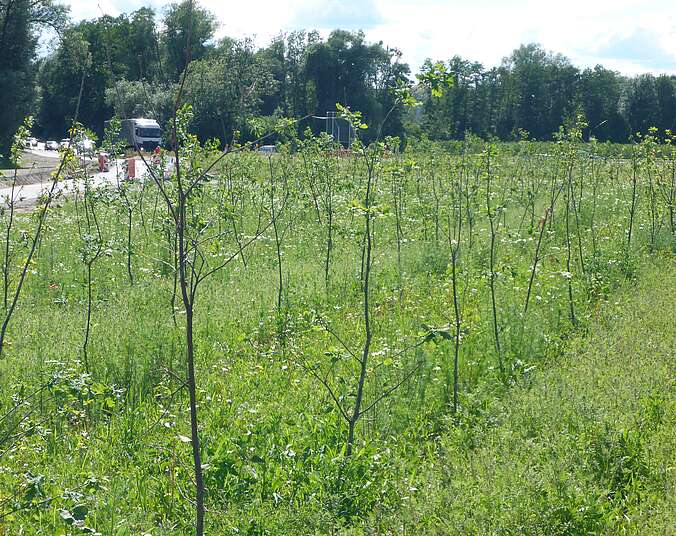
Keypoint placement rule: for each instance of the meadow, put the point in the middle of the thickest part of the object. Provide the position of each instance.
(374, 335)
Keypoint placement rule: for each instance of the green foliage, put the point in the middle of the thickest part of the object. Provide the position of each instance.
(577, 448)
(141, 99)
(21, 22)
(353, 118)
(137, 62)
(226, 88)
(19, 142)
(344, 68)
(183, 19)
(436, 78)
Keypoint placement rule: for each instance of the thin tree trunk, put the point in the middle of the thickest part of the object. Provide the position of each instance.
(356, 412)
(38, 231)
(577, 224)
(329, 246)
(280, 279)
(85, 343)
(129, 242)
(494, 308)
(569, 254)
(632, 209)
(456, 310)
(188, 302)
(8, 238)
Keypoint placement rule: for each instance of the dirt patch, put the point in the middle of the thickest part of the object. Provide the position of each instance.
(34, 168)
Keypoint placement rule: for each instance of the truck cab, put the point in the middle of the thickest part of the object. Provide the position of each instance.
(146, 133)
(140, 133)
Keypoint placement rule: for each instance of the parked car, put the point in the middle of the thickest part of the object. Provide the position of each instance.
(65, 142)
(85, 147)
(51, 145)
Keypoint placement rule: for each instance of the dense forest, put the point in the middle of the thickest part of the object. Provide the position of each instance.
(132, 64)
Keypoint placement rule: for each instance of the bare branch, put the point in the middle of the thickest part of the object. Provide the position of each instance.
(330, 391)
(391, 389)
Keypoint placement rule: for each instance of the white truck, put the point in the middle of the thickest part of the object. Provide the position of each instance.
(140, 133)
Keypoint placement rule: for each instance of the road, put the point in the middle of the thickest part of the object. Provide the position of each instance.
(39, 150)
(26, 195)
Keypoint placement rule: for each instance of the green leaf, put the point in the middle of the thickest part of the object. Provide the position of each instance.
(98, 389)
(80, 511)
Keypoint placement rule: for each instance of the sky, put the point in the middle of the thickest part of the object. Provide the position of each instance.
(629, 36)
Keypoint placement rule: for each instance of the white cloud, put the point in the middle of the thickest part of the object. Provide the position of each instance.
(88, 9)
(481, 30)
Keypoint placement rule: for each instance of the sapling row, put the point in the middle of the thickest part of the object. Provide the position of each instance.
(376, 202)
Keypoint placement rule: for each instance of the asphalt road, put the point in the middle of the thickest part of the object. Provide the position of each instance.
(26, 193)
(39, 150)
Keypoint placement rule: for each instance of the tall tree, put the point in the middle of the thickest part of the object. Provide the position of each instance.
(226, 89)
(145, 47)
(665, 87)
(286, 60)
(60, 79)
(20, 23)
(348, 70)
(544, 86)
(180, 21)
(138, 98)
(599, 95)
(642, 108)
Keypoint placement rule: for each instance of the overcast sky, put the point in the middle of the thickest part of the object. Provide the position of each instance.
(630, 36)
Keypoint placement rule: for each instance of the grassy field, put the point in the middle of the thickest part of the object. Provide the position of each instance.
(386, 267)
(584, 446)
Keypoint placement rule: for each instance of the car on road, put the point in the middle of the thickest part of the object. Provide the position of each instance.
(65, 142)
(85, 147)
(267, 149)
(51, 145)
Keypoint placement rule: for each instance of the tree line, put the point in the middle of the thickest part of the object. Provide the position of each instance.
(535, 91)
(132, 65)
